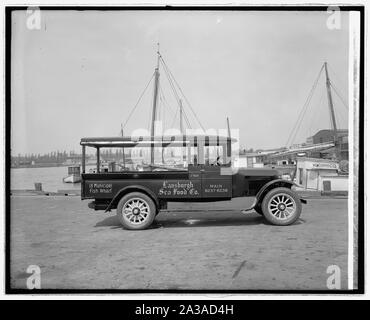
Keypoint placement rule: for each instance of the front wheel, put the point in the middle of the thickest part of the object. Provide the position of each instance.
(136, 211)
(281, 206)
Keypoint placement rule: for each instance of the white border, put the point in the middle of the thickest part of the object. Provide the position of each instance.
(353, 66)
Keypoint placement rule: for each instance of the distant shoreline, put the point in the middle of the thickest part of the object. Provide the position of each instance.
(40, 165)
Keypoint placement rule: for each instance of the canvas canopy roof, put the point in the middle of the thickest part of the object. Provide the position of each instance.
(164, 141)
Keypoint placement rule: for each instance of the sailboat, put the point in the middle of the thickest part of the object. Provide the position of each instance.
(158, 96)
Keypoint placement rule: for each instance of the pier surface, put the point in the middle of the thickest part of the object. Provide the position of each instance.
(194, 246)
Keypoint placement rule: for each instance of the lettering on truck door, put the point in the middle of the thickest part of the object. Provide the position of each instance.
(215, 185)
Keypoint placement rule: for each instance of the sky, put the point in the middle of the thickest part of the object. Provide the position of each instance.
(82, 73)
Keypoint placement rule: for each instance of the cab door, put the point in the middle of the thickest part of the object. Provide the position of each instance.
(216, 181)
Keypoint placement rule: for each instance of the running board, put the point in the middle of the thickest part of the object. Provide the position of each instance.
(246, 211)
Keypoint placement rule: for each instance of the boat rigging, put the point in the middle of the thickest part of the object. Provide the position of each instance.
(329, 87)
(159, 100)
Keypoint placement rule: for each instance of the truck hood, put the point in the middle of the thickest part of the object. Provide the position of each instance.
(264, 172)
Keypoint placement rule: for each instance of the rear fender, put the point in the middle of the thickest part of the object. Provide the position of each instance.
(134, 188)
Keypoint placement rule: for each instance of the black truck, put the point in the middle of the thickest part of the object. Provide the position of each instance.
(139, 193)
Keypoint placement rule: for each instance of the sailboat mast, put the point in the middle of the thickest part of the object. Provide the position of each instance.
(183, 157)
(154, 110)
(228, 128)
(330, 101)
(181, 120)
(123, 150)
(331, 107)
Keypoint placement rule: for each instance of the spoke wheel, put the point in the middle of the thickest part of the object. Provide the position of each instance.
(136, 211)
(281, 206)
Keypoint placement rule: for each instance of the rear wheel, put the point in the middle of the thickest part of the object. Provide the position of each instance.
(136, 211)
(281, 206)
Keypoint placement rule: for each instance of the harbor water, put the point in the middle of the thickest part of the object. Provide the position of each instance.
(51, 179)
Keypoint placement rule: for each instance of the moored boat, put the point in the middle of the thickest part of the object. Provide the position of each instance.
(74, 175)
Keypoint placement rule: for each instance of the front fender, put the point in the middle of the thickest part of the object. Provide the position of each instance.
(133, 188)
(274, 184)
(267, 187)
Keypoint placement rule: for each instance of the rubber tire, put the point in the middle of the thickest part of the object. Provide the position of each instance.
(258, 209)
(271, 218)
(152, 211)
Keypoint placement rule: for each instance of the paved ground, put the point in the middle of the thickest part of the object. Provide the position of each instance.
(215, 249)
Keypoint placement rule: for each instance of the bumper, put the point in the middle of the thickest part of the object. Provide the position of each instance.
(97, 206)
